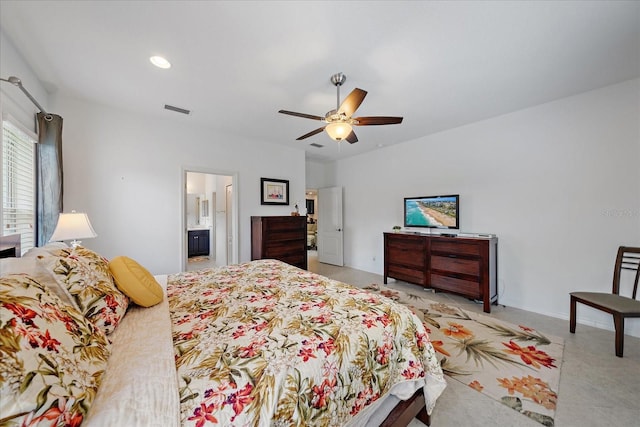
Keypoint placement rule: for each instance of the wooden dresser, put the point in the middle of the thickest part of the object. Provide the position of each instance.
(280, 237)
(463, 265)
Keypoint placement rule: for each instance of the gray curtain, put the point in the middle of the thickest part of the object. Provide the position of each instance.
(49, 184)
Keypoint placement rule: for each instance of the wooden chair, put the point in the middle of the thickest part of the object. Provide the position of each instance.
(619, 306)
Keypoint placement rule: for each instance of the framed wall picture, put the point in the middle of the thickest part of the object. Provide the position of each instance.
(274, 191)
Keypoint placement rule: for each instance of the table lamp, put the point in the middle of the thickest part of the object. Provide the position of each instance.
(73, 226)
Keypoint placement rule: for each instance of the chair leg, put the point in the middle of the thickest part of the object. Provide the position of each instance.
(572, 316)
(618, 323)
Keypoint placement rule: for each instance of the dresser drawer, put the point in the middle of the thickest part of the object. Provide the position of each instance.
(406, 242)
(460, 286)
(406, 252)
(278, 225)
(454, 264)
(275, 249)
(283, 235)
(455, 247)
(406, 256)
(407, 274)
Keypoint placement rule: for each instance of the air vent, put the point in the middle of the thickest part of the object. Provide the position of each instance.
(176, 109)
(313, 144)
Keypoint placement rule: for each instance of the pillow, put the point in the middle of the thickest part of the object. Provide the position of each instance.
(85, 275)
(30, 267)
(135, 281)
(45, 250)
(53, 358)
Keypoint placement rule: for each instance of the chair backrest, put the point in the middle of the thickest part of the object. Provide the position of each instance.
(628, 258)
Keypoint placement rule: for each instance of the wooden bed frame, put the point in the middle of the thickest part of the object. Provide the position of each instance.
(400, 416)
(406, 410)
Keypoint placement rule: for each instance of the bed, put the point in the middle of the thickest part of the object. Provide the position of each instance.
(252, 344)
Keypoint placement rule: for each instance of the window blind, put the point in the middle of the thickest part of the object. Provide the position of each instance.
(18, 184)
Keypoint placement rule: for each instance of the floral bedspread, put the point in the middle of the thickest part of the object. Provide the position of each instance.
(264, 343)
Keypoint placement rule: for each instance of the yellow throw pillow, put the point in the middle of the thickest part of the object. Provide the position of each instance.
(135, 281)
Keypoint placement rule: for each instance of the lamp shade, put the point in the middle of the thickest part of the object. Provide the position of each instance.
(73, 226)
(338, 130)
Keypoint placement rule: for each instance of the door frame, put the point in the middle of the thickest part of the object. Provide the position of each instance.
(227, 217)
(232, 258)
(330, 236)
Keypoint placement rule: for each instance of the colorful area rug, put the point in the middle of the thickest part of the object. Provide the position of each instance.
(516, 365)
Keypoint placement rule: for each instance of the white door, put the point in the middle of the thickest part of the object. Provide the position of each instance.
(229, 209)
(330, 237)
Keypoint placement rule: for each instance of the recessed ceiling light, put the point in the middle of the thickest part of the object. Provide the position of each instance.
(160, 62)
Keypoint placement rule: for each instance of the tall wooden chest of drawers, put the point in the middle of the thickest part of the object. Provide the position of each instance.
(280, 237)
(463, 265)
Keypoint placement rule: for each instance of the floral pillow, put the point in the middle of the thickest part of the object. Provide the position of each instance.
(86, 276)
(52, 358)
(29, 266)
(45, 250)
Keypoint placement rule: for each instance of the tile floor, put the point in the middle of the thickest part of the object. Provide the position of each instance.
(200, 264)
(596, 387)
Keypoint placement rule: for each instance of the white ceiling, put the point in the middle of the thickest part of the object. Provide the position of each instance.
(439, 64)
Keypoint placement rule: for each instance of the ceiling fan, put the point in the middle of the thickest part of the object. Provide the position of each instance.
(339, 122)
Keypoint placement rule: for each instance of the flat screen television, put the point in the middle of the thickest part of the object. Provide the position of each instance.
(432, 211)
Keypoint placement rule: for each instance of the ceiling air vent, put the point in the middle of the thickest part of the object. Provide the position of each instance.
(176, 109)
(313, 144)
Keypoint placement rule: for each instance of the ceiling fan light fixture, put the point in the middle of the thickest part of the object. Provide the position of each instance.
(338, 131)
(340, 121)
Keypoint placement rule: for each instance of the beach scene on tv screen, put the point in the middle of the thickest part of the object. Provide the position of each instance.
(440, 212)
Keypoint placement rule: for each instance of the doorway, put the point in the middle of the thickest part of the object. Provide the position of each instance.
(209, 220)
(330, 227)
(311, 204)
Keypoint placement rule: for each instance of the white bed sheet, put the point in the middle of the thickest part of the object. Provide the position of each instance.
(140, 387)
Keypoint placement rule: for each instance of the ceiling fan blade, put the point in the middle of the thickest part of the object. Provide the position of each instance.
(352, 102)
(313, 132)
(352, 138)
(379, 120)
(306, 116)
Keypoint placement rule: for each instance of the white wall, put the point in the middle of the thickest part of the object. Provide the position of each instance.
(12, 100)
(558, 183)
(125, 170)
(320, 174)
